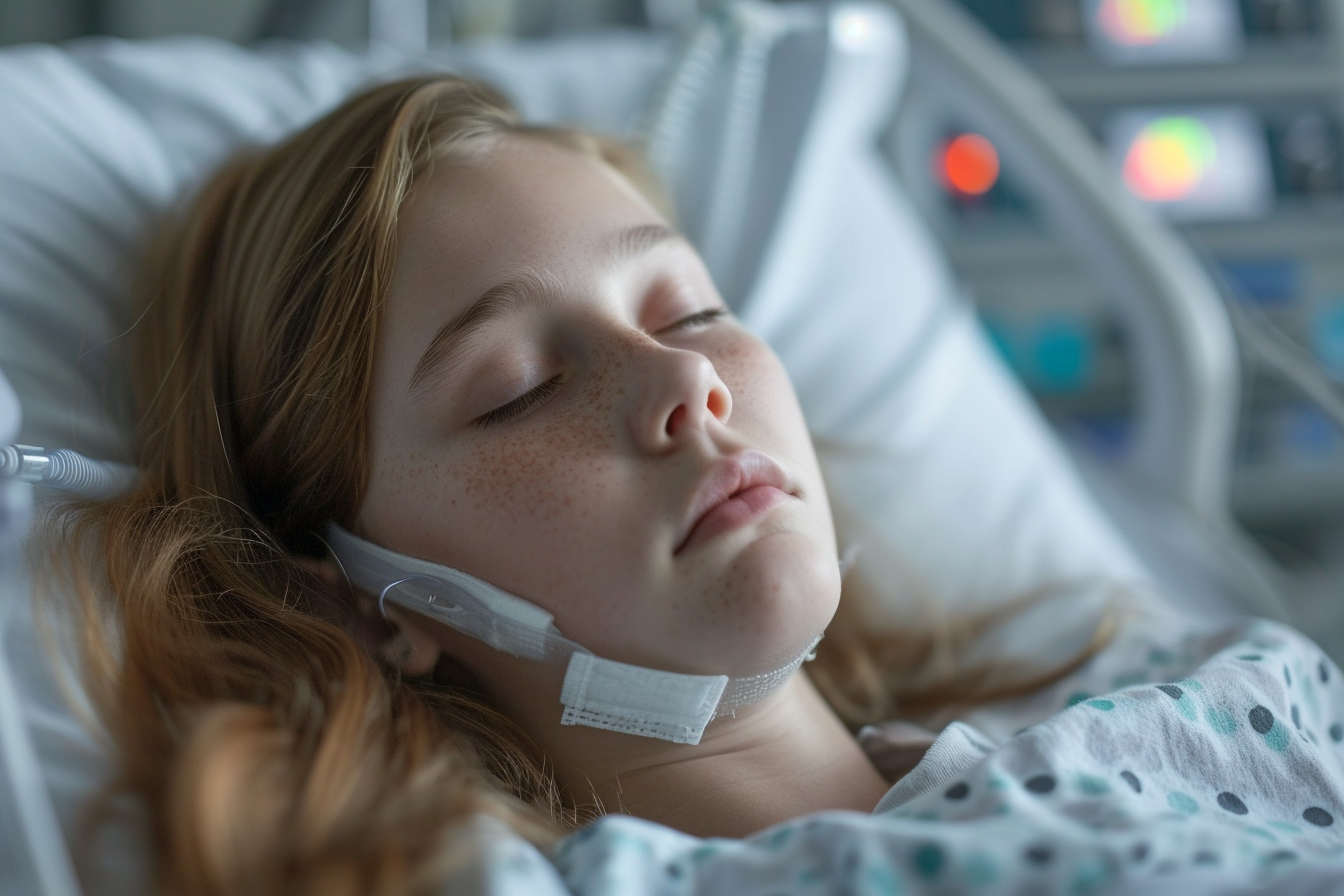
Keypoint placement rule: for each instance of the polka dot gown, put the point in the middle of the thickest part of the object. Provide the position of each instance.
(1227, 757)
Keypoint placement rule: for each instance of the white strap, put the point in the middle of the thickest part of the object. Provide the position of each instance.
(597, 692)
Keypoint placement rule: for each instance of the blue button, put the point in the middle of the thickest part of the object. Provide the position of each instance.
(1273, 281)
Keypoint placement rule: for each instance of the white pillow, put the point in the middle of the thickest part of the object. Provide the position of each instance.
(942, 462)
(943, 471)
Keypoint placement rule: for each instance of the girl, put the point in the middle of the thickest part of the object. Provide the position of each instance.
(483, 345)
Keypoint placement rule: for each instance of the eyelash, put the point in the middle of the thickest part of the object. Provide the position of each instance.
(709, 315)
(521, 404)
(528, 400)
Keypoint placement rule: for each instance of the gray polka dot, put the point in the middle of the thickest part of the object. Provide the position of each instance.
(1319, 817)
(1040, 784)
(1038, 855)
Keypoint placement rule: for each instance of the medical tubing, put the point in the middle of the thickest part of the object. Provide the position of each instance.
(756, 34)
(66, 470)
(670, 124)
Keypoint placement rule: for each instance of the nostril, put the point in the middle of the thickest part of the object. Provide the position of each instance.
(674, 419)
(719, 404)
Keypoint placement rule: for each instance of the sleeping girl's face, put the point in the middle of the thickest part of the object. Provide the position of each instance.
(562, 406)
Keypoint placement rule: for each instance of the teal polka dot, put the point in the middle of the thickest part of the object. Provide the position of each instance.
(1186, 707)
(927, 815)
(1092, 785)
(1261, 832)
(1103, 705)
(980, 870)
(809, 876)
(704, 854)
(1160, 656)
(1220, 720)
(621, 840)
(778, 839)
(879, 879)
(1182, 803)
(1192, 684)
(928, 860)
(1079, 697)
(997, 783)
(1277, 737)
(1285, 826)
(1089, 876)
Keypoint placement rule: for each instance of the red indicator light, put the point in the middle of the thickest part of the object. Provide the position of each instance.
(970, 165)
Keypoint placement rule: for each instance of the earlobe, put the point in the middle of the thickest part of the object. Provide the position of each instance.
(398, 639)
(411, 649)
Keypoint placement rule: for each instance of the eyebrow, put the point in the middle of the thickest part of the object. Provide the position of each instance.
(528, 288)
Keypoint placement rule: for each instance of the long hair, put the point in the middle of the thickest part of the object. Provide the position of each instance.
(271, 751)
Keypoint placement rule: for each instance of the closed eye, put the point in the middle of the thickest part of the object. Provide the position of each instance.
(700, 318)
(520, 405)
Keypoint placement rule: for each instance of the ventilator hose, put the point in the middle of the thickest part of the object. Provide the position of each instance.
(65, 470)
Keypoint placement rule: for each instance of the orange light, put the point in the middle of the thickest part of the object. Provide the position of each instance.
(970, 164)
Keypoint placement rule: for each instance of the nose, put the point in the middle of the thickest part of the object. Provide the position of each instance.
(680, 394)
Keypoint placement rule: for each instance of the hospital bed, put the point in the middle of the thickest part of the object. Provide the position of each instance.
(766, 122)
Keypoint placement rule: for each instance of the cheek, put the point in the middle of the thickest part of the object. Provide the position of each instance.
(537, 474)
(763, 394)
(552, 464)
(521, 505)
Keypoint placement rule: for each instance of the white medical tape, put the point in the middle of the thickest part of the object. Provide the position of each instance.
(616, 696)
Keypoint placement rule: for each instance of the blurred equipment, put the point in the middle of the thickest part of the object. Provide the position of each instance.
(1224, 117)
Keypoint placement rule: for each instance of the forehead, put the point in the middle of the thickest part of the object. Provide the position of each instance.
(522, 202)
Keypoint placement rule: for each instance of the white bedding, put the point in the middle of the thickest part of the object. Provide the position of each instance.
(1228, 773)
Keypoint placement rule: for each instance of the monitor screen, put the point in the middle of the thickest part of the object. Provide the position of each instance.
(1135, 32)
(1196, 163)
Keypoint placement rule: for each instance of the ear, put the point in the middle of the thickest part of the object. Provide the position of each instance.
(402, 639)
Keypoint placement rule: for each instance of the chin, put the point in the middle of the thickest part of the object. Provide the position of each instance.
(785, 589)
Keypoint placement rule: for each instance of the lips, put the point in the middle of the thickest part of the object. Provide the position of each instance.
(732, 493)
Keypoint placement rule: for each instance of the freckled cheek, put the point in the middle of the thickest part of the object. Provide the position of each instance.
(760, 386)
(549, 470)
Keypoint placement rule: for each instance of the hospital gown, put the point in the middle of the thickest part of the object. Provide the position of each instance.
(1170, 753)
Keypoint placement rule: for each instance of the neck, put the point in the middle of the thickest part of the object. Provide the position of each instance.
(784, 757)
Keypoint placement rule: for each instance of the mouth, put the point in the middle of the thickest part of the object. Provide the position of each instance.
(732, 493)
